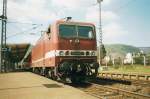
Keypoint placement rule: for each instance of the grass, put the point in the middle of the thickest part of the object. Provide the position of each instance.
(129, 69)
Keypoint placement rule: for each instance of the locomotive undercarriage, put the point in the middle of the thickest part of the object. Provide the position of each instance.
(76, 70)
(73, 71)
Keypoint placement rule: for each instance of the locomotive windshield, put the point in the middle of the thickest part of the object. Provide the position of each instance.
(73, 31)
(67, 30)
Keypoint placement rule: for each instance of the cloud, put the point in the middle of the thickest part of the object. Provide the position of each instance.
(106, 2)
(77, 4)
(93, 15)
(112, 29)
(24, 39)
(1, 8)
(35, 10)
(30, 10)
(73, 4)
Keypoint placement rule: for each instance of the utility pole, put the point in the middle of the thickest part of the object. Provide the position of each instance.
(100, 30)
(3, 47)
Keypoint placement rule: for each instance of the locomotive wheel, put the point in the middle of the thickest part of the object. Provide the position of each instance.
(36, 70)
(65, 67)
(42, 71)
(46, 73)
(79, 71)
(51, 75)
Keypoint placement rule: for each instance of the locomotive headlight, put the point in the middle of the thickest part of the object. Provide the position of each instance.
(92, 53)
(87, 53)
(67, 53)
(61, 53)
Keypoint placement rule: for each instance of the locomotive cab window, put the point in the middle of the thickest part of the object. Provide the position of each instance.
(85, 32)
(67, 31)
(75, 31)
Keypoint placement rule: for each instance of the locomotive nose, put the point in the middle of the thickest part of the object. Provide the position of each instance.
(75, 44)
(77, 41)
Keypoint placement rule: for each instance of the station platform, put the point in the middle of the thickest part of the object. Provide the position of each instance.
(26, 85)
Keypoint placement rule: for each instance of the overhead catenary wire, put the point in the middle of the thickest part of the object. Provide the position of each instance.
(23, 23)
(25, 31)
(34, 27)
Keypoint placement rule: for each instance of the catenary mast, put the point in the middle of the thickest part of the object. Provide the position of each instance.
(3, 48)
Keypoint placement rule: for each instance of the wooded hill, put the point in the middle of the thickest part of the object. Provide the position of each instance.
(120, 50)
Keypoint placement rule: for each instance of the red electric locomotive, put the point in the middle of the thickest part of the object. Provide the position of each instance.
(66, 51)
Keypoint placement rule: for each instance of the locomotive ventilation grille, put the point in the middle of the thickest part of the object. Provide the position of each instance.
(70, 53)
(76, 53)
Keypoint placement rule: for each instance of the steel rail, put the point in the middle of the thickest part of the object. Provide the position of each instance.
(116, 91)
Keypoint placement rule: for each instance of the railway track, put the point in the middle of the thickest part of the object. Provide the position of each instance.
(140, 83)
(104, 89)
(115, 89)
(107, 92)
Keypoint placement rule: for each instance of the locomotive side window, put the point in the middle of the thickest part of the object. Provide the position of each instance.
(67, 30)
(85, 32)
(49, 32)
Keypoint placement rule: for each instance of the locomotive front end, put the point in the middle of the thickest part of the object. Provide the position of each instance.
(77, 55)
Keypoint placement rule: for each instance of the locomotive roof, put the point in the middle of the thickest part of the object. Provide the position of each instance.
(75, 22)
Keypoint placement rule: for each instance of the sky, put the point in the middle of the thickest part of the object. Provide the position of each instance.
(123, 21)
